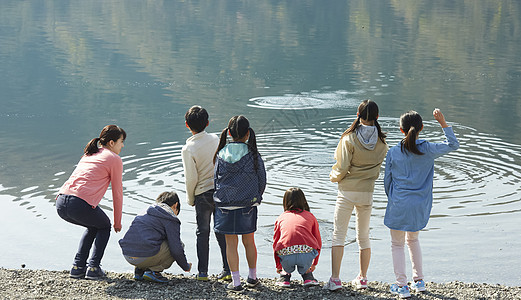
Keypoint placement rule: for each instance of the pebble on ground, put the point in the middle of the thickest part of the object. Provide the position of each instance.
(42, 284)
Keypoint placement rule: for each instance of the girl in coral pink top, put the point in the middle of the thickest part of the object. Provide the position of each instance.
(296, 241)
(78, 199)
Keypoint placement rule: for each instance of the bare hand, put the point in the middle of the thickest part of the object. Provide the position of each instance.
(438, 115)
(117, 229)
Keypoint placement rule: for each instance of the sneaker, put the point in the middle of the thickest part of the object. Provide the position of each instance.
(232, 288)
(95, 273)
(418, 286)
(252, 282)
(309, 280)
(403, 291)
(138, 274)
(224, 275)
(78, 272)
(202, 276)
(284, 281)
(155, 277)
(360, 283)
(333, 285)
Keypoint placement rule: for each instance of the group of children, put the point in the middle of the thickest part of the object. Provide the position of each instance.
(408, 183)
(226, 179)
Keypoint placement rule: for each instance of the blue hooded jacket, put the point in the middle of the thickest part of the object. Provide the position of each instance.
(148, 231)
(235, 179)
(408, 182)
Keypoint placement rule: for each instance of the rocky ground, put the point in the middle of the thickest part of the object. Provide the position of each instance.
(42, 284)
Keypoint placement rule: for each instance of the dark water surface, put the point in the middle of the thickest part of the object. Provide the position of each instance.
(297, 70)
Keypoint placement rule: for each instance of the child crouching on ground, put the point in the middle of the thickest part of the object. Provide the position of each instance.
(296, 241)
(153, 241)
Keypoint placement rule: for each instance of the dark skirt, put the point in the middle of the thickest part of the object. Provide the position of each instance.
(235, 221)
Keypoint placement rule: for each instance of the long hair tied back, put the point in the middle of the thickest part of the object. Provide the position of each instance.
(411, 123)
(108, 133)
(368, 111)
(238, 127)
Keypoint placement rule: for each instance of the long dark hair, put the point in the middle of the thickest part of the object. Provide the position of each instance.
(411, 123)
(294, 200)
(109, 133)
(368, 111)
(238, 127)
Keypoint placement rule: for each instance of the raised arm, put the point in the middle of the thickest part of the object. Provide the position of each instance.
(438, 115)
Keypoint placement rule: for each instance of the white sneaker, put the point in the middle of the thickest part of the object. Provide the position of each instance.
(333, 285)
(359, 283)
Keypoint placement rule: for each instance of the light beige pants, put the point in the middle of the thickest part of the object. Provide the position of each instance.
(346, 202)
(157, 263)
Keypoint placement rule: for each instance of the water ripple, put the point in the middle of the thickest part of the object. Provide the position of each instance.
(480, 178)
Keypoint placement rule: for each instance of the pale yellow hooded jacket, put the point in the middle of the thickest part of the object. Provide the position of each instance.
(357, 168)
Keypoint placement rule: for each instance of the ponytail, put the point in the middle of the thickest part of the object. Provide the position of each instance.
(381, 134)
(368, 111)
(108, 133)
(352, 128)
(238, 127)
(92, 147)
(411, 124)
(252, 145)
(222, 143)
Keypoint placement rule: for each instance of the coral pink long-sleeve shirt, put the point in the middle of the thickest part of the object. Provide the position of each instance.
(92, 177)
(294, 228)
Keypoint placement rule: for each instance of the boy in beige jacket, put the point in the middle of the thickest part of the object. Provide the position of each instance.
(197, 155)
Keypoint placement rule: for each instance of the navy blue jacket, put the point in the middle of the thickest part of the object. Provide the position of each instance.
(147, 232)
(238, 184)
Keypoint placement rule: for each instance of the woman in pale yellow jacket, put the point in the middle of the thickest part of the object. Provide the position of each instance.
(358, 156)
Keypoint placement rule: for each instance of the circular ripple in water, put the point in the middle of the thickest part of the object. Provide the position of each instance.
(307, 100)
(482, 177)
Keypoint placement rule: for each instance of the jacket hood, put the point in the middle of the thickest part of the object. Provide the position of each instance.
(233, 152)
(367, 136)
(160, 212)
(234, 166)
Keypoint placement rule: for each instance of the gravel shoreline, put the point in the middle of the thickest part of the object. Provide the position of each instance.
(43, 284)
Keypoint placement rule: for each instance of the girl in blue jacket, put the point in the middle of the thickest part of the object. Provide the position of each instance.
(408, 181)
(239, 179)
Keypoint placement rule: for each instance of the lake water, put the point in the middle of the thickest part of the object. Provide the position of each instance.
(298, 71)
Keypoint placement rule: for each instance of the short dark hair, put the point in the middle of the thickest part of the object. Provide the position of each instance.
(196, 118)
(169, 198)
(294, 200)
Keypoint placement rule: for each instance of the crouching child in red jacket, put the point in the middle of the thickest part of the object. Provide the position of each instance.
(296, 241)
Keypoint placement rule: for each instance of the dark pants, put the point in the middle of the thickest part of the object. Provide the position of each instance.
(76, 211)
(204, 209)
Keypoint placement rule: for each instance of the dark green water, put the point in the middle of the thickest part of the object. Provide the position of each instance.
(297, 70)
